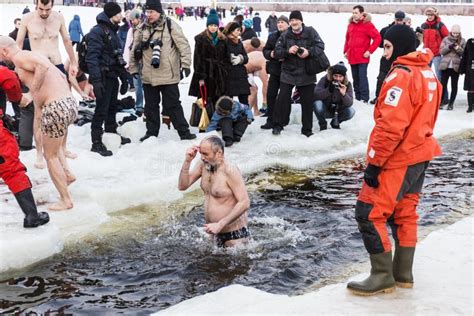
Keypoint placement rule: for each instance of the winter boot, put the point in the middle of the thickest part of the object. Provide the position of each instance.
(402, 266)
(267, 125)
(470, 102)
(97, 145)
(187, 135)
(450, 107)
(380, 279)
(323, 127)
(277, 130)
(28, 206)
(113, 130)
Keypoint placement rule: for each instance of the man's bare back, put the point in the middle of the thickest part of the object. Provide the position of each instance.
(53, 85)
(256, 62)
(44, 34)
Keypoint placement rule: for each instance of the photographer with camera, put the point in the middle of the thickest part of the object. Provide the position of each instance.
(105, 64)
(160, 36)
(334, 97)
(294, 46)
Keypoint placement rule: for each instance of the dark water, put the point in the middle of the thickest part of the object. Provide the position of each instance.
(303, 229)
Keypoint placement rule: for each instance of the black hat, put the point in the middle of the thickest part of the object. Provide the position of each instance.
(230, 27)
(283, 18)
(224, 105)
(399, 15)
(403, 40)
(154, 5)
(339, 69)
(296, 15)
(111, 9)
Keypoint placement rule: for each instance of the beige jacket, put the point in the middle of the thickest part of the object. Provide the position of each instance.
(173, 56)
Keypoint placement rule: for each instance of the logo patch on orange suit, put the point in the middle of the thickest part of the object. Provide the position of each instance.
(393, 96)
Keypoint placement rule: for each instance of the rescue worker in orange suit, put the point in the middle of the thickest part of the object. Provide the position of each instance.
(12, 171)
(399, 150)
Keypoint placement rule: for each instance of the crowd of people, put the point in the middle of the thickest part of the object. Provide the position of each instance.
(113, 58)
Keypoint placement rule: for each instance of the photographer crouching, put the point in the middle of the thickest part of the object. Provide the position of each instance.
(334, 97)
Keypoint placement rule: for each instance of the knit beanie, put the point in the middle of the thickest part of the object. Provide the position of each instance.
(224, 105)
(111, 9)
(212, 18)
(339, 69)
(403, 40)
(248, 23)
(154, 5)
(284, 19)
(296, 15)
(135, 14)
(455, 28)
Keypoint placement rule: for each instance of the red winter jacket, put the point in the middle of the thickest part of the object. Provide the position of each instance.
(433, 34)
(10, 84)
(358, 37)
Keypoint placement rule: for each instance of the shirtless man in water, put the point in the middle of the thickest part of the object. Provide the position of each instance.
(226, 197)
(43, 27)
(56, 109)
(256, 67)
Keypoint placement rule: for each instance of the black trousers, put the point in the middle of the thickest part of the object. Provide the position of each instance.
(380, 79)
(171, 106)
(445, 75)
(233, 130)
(25, 127)
(106, 108)
(272, 94)
(243, 98)
(283, 106)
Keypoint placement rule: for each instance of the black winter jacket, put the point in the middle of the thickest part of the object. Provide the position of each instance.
(102, 49)
(248, 34)
(273, 66)
(237, 82)
(467, 65)
(271, 24)
(257, 24)
(211, 64)
(326, 92)
(293, 68)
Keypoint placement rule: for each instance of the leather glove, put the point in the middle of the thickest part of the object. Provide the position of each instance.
(371, 174)
(124, 87)
(186, 71)
(99, 90)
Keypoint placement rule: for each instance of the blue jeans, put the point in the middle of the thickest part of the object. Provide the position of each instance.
(435, 62)
(324, 112)
(361, 83)
(138, 93)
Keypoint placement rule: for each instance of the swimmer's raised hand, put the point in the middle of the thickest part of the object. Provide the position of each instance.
(191, 153)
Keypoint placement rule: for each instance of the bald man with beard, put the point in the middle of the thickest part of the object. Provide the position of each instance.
(256, 68)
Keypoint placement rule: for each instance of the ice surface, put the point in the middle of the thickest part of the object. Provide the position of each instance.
(147, 172)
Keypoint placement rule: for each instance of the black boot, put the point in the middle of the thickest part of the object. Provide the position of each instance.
(187, 135)
(124, 140)
(402, 266)
(277, 130)
(323, 127)
(380, 279)
(267, 125)
(97, 145)
(28, 206)
(450, 107)
(113, 129)
(147, 135)
(470, 102)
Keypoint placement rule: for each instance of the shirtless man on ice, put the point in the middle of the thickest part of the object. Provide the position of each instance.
(56, 109)
(226, 197)
(43, 27)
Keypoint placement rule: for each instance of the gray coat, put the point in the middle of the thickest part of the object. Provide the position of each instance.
(451, 54)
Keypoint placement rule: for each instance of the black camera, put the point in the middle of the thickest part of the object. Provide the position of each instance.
(118, 54)
(300, 51)
(156, 54)
(419, 30)
(336, 84)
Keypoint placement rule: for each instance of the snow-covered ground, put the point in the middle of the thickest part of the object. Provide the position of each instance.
(443, 277)
(147, 172)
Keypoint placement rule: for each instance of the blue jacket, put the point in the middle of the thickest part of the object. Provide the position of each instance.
(75, 29)
(102, 49)
(239, 110)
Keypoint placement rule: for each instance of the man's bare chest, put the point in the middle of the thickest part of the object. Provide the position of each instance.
(44, 30)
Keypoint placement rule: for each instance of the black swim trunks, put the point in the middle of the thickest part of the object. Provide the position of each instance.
(61, 68)
(236, 234)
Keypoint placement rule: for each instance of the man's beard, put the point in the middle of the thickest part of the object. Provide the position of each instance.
(209, 167)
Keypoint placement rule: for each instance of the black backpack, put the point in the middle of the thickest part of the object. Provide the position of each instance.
(82, 48)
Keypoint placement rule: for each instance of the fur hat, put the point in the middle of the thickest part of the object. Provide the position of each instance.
(224, 105)
(230, 27)
(296, 15)
(339, 69)
(111, 9)
(154, 5)
(212, 18)
(283, 18)
(432, 10)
